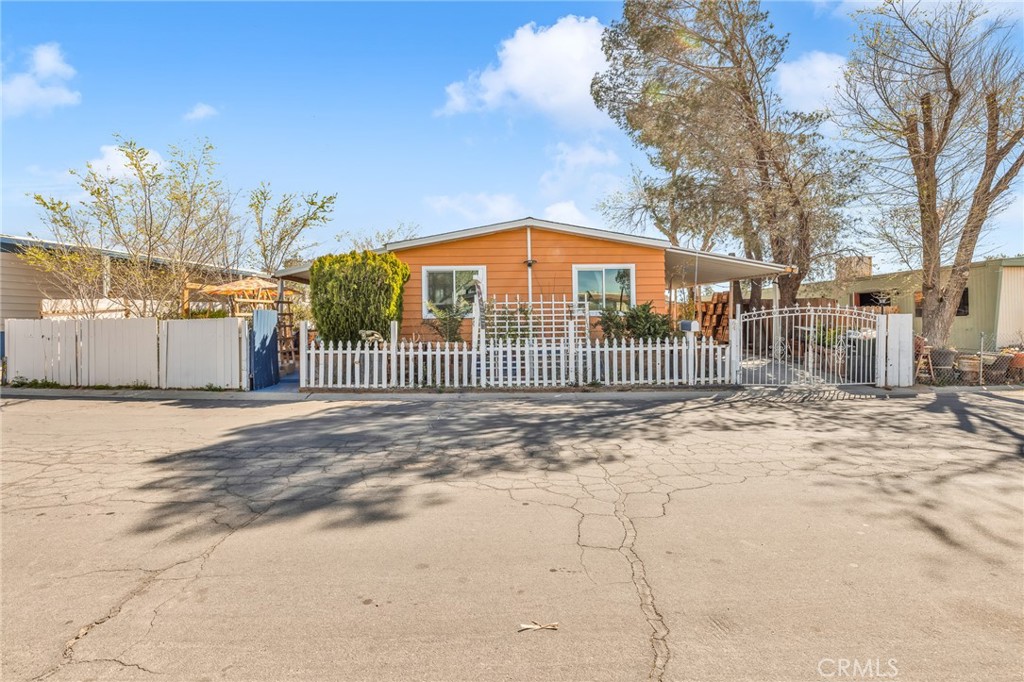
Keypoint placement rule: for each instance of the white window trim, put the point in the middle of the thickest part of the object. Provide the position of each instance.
(604, 266)
(482, 269)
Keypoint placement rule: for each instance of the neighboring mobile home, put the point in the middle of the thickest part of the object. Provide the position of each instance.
(26, 291)
(993, 302)
(533, 259)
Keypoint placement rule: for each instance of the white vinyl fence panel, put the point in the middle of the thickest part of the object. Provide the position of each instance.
(118, 352)
(42, 350)
(535, 362)
(204, 353)
(899, 351)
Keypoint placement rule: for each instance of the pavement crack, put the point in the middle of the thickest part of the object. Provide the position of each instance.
(68, 653)
(659, 630)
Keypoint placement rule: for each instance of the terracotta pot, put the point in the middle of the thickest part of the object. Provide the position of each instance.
(1018, 361)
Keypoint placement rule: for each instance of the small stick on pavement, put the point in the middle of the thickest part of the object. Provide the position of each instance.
(534, 625)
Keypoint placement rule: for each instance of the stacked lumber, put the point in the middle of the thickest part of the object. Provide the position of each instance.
(713, 316)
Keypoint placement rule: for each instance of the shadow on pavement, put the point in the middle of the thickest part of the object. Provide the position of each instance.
(358, 462)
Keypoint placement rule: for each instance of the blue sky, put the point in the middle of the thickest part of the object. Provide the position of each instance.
(447, 115)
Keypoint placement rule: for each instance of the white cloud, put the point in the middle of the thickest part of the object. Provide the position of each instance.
(113, 163)
(809, 82)
(566, 212)
(42, 87)
(546, 69)
(478, 209)
(199, 112)
(573, 164)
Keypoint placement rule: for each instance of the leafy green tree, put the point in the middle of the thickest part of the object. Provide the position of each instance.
(356, 291)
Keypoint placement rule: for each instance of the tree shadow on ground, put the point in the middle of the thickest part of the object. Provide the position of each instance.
(358, 464)
(965, 494)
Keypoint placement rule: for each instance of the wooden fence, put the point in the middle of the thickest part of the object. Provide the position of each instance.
(514, 363)
(138, 352)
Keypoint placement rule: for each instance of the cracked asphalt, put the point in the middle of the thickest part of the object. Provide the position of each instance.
(750, 536)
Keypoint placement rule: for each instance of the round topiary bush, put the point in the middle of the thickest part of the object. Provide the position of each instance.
(360, 290)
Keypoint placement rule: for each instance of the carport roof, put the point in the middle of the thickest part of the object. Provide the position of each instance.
(686, 267)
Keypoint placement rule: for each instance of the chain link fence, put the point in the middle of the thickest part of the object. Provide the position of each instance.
(989, 365)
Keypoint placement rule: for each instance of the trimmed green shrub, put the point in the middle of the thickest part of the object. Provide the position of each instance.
(354, 291)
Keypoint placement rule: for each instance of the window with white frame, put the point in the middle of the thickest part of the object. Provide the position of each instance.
(446, 286)
(604, 286)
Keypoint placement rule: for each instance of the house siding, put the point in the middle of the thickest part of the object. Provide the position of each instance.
(505, 253)
(992, 299)
(1010, 320)
(20, 289)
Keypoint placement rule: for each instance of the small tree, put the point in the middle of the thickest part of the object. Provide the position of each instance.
(447, 321)
(356, 291)
(170, 222)
(279, 237)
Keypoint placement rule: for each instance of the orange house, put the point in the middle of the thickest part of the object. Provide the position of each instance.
(533, 259)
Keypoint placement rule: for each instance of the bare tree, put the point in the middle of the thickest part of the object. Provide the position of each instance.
(378, 239)
(279, 238)
(935, 91)
(165, 220)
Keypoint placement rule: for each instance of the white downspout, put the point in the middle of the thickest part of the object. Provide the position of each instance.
(529, 265)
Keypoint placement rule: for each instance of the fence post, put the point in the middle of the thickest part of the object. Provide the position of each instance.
(981, 360)
(571, 360)
(881, 349)
(393, 346)
(243, 348)
(691, 357)
(303, 353)
(161, 358)
(736, 347)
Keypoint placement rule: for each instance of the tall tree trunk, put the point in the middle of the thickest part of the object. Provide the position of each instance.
(937, 323)
(789, 286)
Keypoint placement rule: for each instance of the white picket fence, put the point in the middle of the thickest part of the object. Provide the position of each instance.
(515, 363)
(129, 352)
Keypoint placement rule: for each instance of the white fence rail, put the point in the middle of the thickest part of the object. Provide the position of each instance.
(515, 363)
(129, 352)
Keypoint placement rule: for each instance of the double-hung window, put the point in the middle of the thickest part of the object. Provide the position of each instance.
(604, 286)
(447, 286)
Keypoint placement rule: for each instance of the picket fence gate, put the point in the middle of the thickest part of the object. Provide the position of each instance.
(514, 363)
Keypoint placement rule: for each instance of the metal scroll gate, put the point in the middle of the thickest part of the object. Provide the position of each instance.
(808, 346)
